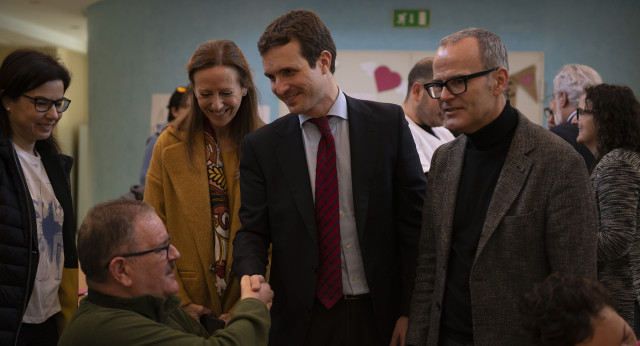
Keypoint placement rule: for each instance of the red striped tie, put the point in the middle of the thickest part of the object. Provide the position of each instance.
(329, 284)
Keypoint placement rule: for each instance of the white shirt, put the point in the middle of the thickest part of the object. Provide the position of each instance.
(44, 301)
(354, 281)
(427, 143)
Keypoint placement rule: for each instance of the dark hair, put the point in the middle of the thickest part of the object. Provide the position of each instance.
(559, 310)
(178, 99)
(107, 230)
(221, 53)
(304, 26)
(616, 116)
(421, 72)
(24, 70)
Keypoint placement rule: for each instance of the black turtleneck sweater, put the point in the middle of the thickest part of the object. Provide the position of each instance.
(484, 157)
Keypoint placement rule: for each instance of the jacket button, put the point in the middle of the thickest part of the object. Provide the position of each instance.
(314, 268)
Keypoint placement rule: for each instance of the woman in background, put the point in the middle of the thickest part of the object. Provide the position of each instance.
(38, 260)
(608, 119)
(193, 177)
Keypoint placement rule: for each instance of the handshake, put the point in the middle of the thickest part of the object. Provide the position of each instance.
(255, 286)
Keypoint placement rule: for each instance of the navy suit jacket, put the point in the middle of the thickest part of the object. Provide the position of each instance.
(278, 210)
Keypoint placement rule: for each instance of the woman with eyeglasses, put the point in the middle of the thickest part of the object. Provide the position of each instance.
(193, 182)
(608, 120)
(38, 261)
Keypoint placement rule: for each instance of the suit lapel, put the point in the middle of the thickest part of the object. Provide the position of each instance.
(364, 154)
(446, 199)
(291, 157)
(512, 177)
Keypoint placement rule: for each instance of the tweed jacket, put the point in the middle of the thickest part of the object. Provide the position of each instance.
(180, 195)
(536, 224)
(616, 181)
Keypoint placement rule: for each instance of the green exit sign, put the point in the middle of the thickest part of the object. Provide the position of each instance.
(411, 18)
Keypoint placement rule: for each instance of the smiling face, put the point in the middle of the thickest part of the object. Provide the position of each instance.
(153, 272)
(29, 125)
(305, 90)
(219, 94)
(482, 102)
(587, 132)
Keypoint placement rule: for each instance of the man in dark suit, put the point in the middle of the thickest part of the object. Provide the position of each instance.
(376, 214)
(568, 86)
(497, 218)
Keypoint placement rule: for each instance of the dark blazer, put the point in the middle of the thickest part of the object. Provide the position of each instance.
(569, 133)
(278, 209)
(536, 224)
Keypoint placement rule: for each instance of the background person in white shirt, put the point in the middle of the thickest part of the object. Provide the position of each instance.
(423, 114)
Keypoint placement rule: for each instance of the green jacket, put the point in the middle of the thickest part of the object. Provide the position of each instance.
(152, 320)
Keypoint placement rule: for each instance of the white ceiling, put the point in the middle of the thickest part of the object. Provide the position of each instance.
(60, 23)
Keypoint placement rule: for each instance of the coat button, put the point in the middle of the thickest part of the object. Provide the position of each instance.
(314, 268)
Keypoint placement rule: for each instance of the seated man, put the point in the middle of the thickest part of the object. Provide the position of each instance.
(126, 254)
(572, 310)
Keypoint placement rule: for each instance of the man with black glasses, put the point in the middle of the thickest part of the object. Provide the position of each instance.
(496, 218)
(126, 254)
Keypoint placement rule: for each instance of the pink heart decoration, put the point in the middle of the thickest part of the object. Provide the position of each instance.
(386, 79)
(526, 80)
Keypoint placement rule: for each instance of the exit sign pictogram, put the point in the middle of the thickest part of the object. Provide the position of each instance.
(411, 18)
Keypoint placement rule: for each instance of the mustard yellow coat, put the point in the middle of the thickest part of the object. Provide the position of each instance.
(180, 194)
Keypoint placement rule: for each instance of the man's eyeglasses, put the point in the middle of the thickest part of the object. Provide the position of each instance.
(43, 104)
(141, 253)
(548, 113)
(580, 112)
(456, 85)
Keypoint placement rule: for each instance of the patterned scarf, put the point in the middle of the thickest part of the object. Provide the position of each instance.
(220, 218)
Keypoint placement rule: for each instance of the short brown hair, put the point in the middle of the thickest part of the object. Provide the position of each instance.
(108, 229)
(304, 26)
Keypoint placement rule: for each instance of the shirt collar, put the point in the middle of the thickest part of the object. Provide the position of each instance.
(338, 109)
(572, 115)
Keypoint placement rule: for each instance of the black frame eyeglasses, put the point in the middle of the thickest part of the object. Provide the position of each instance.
(43, 104)
(580, 112)
(141, 253)
(548, 113)
(456, 85)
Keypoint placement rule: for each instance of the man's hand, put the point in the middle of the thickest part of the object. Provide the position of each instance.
(255, 286)
(195, 310)
(400, 331)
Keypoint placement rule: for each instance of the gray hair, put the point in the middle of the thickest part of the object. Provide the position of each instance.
(493, 53)
(572, 79)
(108, 229)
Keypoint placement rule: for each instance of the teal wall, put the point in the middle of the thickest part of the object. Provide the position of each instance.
(138, 48)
